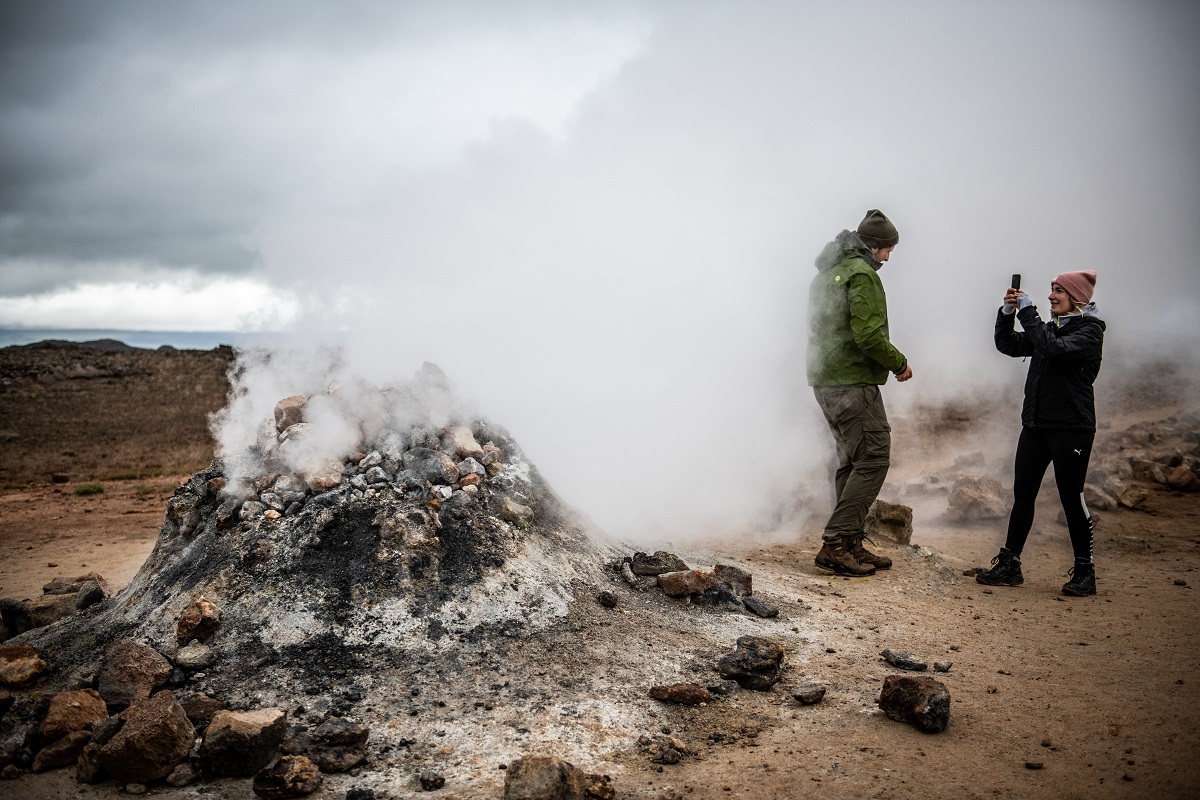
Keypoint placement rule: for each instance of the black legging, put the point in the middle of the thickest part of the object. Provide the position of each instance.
(1069, 450)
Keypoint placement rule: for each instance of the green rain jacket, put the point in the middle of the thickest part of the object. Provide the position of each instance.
(848, 341)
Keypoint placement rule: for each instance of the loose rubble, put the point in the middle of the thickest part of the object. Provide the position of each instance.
(921, 702)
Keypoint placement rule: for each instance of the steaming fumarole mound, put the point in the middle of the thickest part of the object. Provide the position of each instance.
(357, 561)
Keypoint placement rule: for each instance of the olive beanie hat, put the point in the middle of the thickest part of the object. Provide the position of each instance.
(1079, 285)
(877, 231)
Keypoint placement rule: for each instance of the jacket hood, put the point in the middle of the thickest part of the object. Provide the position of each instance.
(845, 245)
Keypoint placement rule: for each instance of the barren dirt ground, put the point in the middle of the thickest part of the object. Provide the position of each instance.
(1052, 697)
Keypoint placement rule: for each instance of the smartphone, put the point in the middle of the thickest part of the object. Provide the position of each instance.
(1016, 281)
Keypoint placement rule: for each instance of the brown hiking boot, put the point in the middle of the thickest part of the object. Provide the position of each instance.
(864, 556)
(837, 557)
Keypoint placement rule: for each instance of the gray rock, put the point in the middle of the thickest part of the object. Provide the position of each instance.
(755, 663)
(904, 660)
(809, 693)
(252, 509)
(657, 564)
(289, 484)
(974, 499)
(756, 606)
(377, 475)
(890, 521)
(461, 443)
(432, 465)
(515, 513)
(89, 595)
(183, 775)
(469, 466)
(272, 500)
(919, 701)
(739, 582)
(941, 666)
(289, 411)
(195, 656)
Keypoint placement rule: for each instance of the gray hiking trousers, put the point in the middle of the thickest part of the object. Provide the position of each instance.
(864, 445)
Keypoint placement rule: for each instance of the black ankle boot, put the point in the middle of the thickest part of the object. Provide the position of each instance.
(1083, 579)
(1005, 571)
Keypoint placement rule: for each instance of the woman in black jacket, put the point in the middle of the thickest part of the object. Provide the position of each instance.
(1058, 418)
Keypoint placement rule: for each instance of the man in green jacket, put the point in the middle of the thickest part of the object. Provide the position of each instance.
(849, 358)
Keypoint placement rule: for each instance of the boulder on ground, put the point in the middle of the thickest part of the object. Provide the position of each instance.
(198, 621)
(687, 582)
(890, 521)
(242, 742)
(461, 443)
(904, 660)
(657, 564)
(336, 745)
(809, 694)
(50, 608)
(515, 513)
(130, 671)
(919, 701)
(432, 465)
(975, 499)
(739, 582)
(73, 585)
(78, 710)
(1098, 499)
(290, 776)
(688, 694)
(755, 663)
(62, 752)
(544, 778)
(289, 411)
(1182, 479)
(20, 664)
(155, 738)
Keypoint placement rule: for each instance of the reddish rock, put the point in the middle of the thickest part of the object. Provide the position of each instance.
(544, 778)
(200, 708)
(130, 671)
(61, 753)
(739, 582)
(469, 480)
(73, 585)
(289, 411)
(919, 701)
(50, 608)
(687, 582)
(242, 742)
(756, 663)
(88, 768)
(688, 694)
(20, 664)
(1183, 479)
(198, 620)
(155, 738)
(290, 776)
(79, 710)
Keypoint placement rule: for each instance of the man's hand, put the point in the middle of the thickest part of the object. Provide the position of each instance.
(906, 374)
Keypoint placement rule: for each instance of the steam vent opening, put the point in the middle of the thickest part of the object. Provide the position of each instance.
(413, 595)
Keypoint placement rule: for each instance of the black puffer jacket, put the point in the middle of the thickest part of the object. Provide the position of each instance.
(1066, 360)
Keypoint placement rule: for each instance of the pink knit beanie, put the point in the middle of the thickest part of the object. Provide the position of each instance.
(1079, 285)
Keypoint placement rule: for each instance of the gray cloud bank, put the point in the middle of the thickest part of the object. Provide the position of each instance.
(623, 284)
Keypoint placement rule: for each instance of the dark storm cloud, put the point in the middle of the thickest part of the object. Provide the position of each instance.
(162, 133)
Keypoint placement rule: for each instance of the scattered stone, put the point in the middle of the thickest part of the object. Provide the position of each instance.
(517, 514)
(756, 606)
(200, 708)
(155, 738)
(739, 582)
(289, 411)
(1033, 765)
(183, 775)
(1133, 497)
(890, 521)
(919, 701)
(904, 660)
(657, 564)
(88, 768)
(809, 694)
(432, 465)
(78, 710)
(755, 663)
(431, 781)
(688, 694)
(1180, 582)
(50, 608)
(544, 778)
(941, 666)
(195, 656)
(973, 499)
(62, 752)
(20, 664)
(664, 749)
(130, 671)
(242, 742)
(89, 595)
(1098, 499)
(136, 788)
(686, 582)
(198, 621)
(376, 475)
(290, 776)
(336, 745)
(1182, 479)
(470, 467)
(607, 599)
(461, 443)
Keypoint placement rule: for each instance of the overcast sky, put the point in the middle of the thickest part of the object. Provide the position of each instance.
(573, 206)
